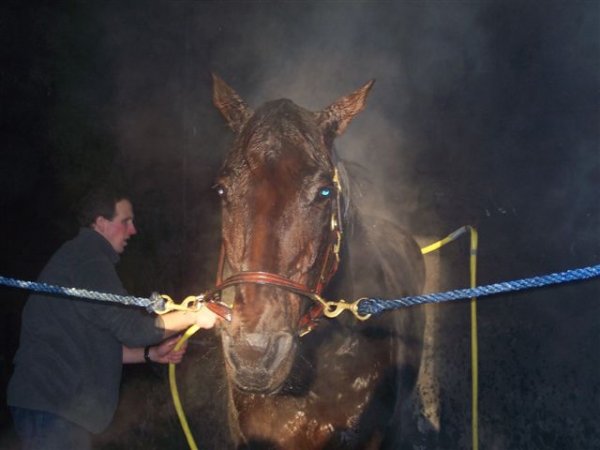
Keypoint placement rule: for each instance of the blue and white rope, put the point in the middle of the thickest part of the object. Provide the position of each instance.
(365, 306)
(378, 305)
(154, 303)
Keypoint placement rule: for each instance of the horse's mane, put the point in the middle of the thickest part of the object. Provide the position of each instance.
(379, 257)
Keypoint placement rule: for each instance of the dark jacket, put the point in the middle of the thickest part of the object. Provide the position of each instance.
(69, 359)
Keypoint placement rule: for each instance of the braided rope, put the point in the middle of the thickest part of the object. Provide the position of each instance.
(365, 306)
(378, 305)
(154, 303)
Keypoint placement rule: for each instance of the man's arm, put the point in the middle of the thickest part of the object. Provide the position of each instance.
(133, 355)
(177, 321)
(162, 353)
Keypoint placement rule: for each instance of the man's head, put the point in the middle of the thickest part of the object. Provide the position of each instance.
(110, 214)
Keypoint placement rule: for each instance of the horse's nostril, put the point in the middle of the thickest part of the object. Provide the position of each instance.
(269, 342)
(283, 341)
(258, 341)
(259, 350)
(280, 347)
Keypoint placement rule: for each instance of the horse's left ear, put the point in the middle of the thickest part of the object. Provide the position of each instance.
(334, 119)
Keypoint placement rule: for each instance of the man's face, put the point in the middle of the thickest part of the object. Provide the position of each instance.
(118, 230)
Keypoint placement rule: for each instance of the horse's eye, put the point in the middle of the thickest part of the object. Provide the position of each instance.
(325, 192)
(220, 190)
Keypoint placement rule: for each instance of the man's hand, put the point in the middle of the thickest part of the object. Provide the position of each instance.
(177, 321)
(205, 318)
(165, 353)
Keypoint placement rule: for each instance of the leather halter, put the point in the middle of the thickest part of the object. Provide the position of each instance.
(329, 265)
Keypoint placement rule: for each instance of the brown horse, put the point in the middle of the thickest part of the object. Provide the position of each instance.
(286, 210)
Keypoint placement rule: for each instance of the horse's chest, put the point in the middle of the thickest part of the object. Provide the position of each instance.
(310, 422)
(346, 391)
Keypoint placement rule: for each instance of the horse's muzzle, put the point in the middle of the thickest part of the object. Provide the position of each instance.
(259, 362)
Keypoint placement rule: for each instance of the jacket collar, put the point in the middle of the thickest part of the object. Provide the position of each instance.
(99, 242)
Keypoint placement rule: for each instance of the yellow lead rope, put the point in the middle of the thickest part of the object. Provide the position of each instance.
(474, 348)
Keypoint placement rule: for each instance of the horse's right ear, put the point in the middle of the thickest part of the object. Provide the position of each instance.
(231, 105)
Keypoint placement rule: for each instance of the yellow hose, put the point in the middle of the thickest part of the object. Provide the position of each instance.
(175, 393)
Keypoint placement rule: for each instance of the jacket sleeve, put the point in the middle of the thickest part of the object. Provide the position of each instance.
(130, 325)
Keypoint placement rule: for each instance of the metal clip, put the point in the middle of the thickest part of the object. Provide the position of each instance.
(333, 309)
(164, 304)
(191, 303)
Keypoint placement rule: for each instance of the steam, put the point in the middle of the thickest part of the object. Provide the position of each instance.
(483, 113)
(310, 53)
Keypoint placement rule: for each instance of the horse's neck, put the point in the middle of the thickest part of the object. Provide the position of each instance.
(378, 259)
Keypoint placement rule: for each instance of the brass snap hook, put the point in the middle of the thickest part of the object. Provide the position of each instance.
(332, 309)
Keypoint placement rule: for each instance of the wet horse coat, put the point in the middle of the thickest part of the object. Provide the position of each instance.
(347, 383)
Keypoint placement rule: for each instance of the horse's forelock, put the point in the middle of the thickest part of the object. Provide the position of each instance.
(281, 126)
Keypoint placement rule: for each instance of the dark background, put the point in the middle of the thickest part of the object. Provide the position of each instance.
(484, 113)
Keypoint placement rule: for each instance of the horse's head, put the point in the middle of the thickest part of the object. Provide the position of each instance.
(280, 227)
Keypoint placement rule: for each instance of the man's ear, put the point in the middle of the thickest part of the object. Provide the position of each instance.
(99, 224)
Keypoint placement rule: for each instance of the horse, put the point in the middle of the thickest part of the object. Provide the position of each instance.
(292, 236)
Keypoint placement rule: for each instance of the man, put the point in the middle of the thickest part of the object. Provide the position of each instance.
(68, 366)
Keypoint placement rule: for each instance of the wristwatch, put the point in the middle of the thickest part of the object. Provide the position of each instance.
(147, 354)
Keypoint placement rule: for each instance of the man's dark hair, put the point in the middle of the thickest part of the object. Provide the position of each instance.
(99, 202)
